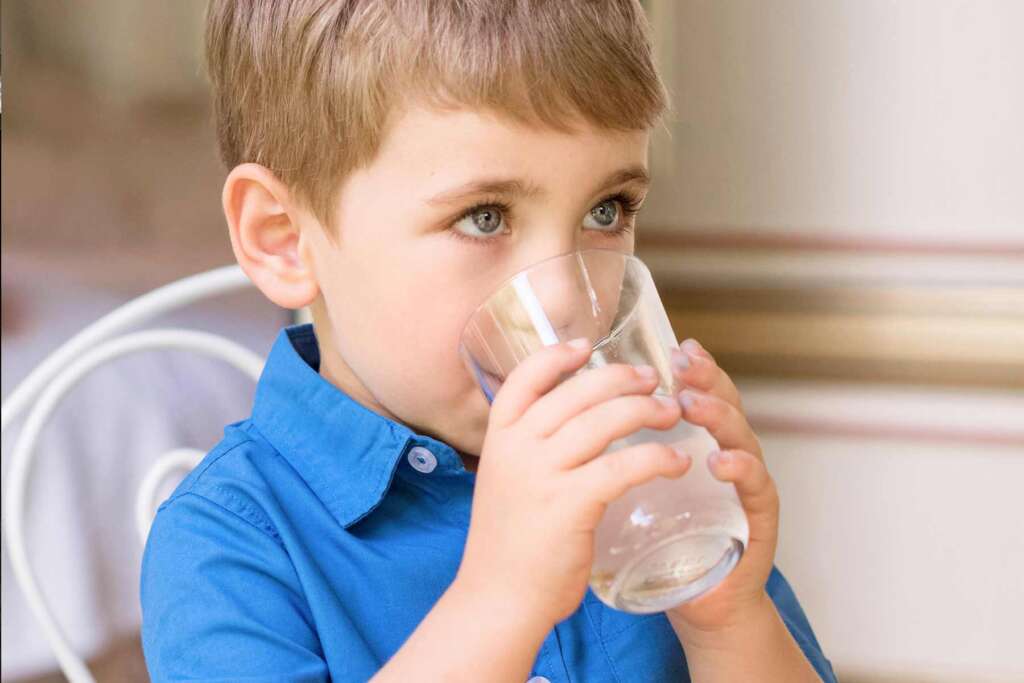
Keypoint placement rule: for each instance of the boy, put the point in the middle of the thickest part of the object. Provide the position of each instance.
(392, 162)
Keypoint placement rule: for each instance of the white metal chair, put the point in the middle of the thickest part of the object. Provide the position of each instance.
(40, 393)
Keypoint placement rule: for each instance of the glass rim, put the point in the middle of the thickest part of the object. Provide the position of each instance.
(507, 281)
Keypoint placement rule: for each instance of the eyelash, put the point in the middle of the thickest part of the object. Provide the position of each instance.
(629, 203)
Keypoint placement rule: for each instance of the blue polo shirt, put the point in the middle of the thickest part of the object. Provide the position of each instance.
(315, 537)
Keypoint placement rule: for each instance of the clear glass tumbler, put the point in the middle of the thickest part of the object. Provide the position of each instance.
(669, 540)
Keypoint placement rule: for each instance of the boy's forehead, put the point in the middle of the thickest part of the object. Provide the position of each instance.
(422, 137)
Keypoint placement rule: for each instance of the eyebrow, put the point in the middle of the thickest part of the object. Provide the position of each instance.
(516, 188)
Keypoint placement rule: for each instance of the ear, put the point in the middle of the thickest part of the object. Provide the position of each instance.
(266, 235)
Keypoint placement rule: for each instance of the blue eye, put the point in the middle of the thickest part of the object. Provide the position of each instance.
(604, 214)
(481, 224)
(481, 221)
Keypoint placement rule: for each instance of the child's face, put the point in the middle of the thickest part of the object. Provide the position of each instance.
(399, 285)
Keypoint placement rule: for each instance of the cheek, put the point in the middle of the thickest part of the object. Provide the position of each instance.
(399, 319)
(414, 338)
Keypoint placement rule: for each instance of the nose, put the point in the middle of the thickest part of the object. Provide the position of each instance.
(559, 299)
(561, 293)
(549, 280)
(547, 242)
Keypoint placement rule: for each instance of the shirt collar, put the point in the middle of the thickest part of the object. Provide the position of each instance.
(346, 453)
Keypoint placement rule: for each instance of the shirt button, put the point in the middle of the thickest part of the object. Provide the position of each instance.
(422, 460)
(538, 679)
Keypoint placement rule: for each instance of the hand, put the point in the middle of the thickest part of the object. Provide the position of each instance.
(541, 489)
(711, 400)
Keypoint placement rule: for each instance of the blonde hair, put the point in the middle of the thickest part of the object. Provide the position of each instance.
(305, 87)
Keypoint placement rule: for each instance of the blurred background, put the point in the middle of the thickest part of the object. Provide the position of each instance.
(838, 214)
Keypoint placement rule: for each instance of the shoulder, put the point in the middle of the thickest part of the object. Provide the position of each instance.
(221, 598)
(215, 528)
(234, 479)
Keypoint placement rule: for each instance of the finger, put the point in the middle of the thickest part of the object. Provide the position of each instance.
(606, 478)
(588, 434)
(534, 377)
(694, 367)
(585, 390)
(727, 424)
(755, 487)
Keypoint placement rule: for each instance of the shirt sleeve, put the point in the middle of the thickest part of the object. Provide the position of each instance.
(221, 600)
(796, 621)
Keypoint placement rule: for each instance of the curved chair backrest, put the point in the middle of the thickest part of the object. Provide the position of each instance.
(40, 393)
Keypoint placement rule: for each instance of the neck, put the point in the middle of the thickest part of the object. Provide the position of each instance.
(335, 370)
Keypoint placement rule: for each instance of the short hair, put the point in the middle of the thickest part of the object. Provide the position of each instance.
(305, 87)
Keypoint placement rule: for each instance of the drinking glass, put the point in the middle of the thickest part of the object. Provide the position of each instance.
(664, 542)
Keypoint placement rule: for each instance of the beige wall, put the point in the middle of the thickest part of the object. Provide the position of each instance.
(871, 118)
(900, 524)
(873, 124)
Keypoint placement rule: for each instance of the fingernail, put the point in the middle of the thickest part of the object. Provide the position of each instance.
(687, 399)
(716, 458)
(666, 401)
(580, 343)
(681, 454)
(646, 371)
(692, 346)
(680, 361)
